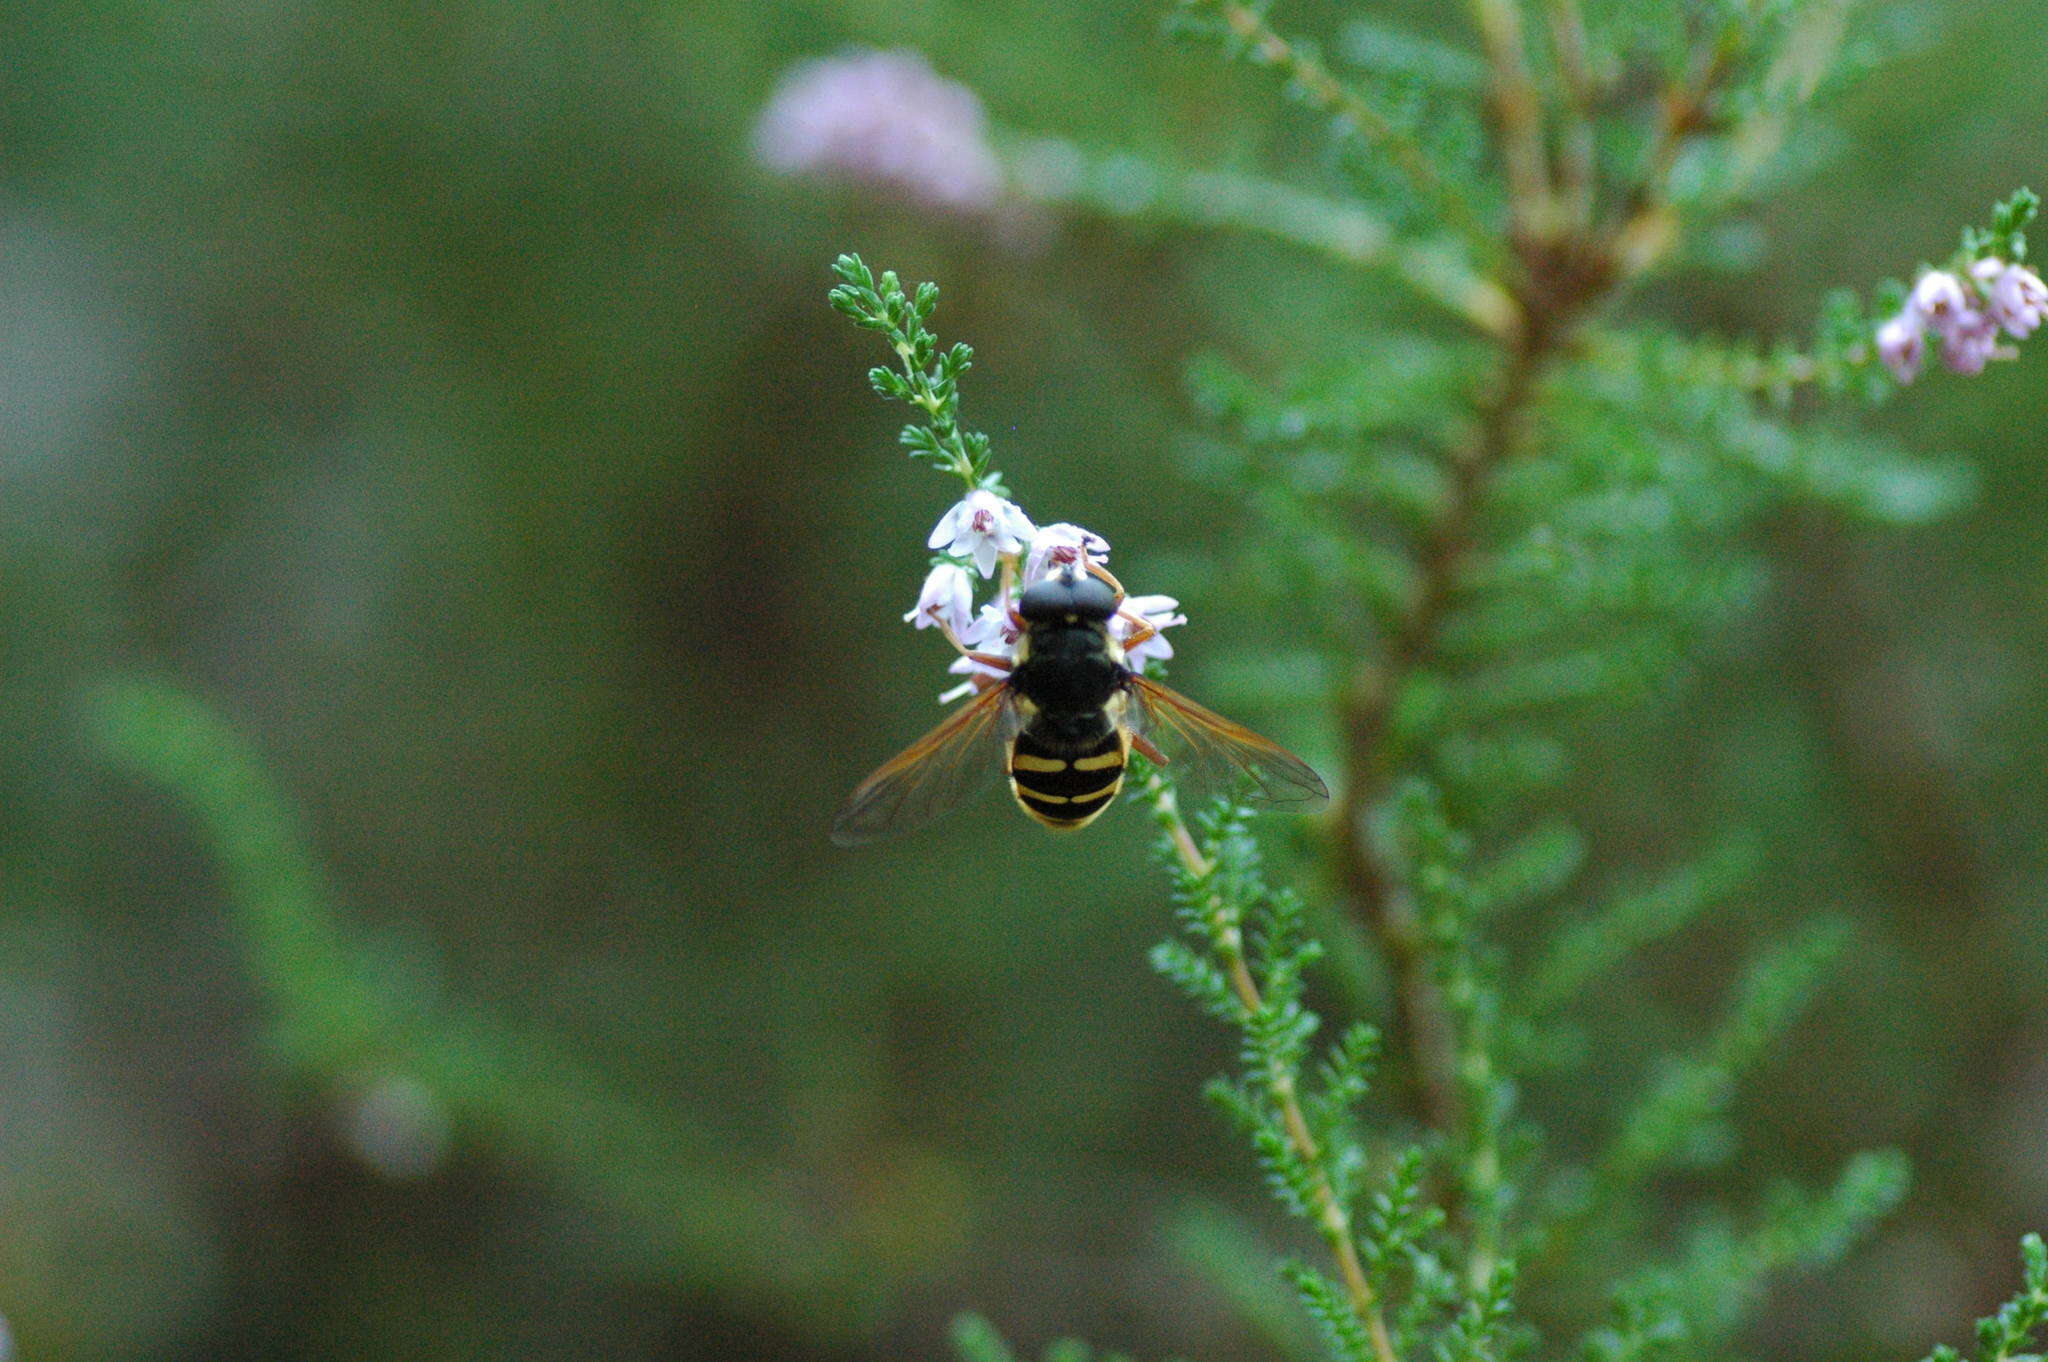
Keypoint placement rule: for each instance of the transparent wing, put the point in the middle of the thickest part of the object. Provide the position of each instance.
(1214, 751)
(933, 774)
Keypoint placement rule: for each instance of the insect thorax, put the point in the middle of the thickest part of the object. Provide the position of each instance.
(1065, 679)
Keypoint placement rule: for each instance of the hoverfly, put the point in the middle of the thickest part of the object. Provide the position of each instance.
(1061, 722)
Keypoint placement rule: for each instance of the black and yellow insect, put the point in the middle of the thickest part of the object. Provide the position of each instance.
(1061, 723)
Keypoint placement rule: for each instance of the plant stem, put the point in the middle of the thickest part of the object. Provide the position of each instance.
(1227, 939)
(1390, 912)
(1651, 227)
(1576, 169)
(1519, 113)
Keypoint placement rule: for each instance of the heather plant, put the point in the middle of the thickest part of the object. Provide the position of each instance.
(1533, 507)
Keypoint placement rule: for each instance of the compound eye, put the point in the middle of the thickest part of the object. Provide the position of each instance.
(1045, 600)
(1093, 598)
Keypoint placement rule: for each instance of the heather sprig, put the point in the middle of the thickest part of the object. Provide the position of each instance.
(1982, 289)
(1247, 966)
(929, 378)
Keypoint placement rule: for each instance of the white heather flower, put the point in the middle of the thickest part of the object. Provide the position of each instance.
(1057, 546)
(1939, 299)
(968, 667)
(1161, 612)
(994, 632)
(1968, 343)
(2015, 298)
(947, 599)
(1902, 345)
(883, 117)
(984, 527)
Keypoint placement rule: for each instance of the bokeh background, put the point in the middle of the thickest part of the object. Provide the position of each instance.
(450, 568)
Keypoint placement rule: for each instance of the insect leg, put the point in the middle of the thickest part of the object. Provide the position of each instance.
(1001, 664)
(1143, 746)
(1100, 571)
(1141, 629)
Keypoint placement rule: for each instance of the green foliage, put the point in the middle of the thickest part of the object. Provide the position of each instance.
(2000, 1337)
(2006, 237)
(340, 1019)
(1301, 1124)
(1231, 1256)
(976, 1340)
(1409, 139)
(1383, 51)
(325, 1020)
(1696, 1302)
(1590, 944)
(1674, 1120)
(1326, 1304)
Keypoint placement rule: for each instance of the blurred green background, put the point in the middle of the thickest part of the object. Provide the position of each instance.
(431, 411)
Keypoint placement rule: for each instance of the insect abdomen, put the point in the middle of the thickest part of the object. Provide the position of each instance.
(1066, 789)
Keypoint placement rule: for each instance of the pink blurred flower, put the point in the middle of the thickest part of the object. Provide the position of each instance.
(2014, 296)
(1902, 345)
(1969, 341)
(886, 118)
(1939, 299)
